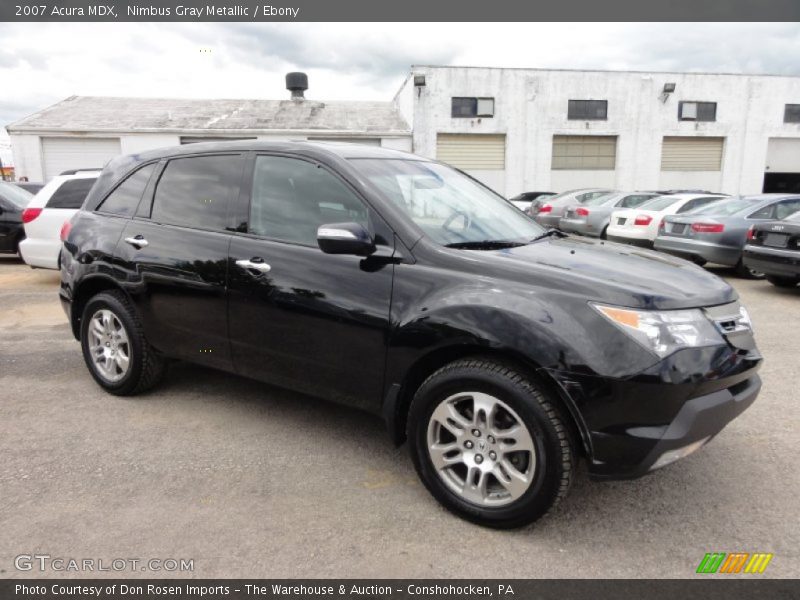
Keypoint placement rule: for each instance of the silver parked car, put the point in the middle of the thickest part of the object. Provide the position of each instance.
(591, 217)
(717, 232)
(549, 212)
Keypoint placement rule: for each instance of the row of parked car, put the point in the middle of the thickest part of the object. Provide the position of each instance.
(757, 235)
(31, 223)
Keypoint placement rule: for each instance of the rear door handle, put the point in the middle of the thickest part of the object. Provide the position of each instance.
(137, 241)
(256, 264)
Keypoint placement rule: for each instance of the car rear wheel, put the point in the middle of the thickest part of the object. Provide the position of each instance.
(489, 443)
(114, 347)
(784, 282)
(748, 273)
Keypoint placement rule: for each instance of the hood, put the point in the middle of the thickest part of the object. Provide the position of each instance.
(612, 273)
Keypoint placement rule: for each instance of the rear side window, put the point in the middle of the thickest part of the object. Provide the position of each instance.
(124, 200)
(72, 193)
(635, 200)
(194, 191)
(785, 209)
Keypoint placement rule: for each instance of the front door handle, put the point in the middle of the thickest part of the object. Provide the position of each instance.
(255, 264)
(137, 241)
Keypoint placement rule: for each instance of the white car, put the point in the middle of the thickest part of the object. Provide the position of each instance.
(639, 226)
(46, 213)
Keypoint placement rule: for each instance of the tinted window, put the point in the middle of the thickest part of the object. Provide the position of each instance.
(763, 213)
(726, 207)
(635, 200)
(72, 193)
(292, 198)
(697, 203)
(194, 191)
(587, 109)
(784, 209)
(791, 113)
(124, 200)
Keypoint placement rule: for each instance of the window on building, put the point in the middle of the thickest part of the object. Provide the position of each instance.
(697, 111)
(791, 113)
(587, 110)
(194, 191)
(293, 197)
(72, 193)
(124, 200)
(579, 152)
(466, 108)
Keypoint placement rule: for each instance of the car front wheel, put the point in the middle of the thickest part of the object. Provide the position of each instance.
(489, 443)
(114, 347)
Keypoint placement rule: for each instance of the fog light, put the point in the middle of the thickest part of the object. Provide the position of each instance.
(672, 455)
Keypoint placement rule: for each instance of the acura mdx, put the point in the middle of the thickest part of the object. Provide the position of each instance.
(501, 351)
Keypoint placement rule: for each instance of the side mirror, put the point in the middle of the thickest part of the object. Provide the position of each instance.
(345, 238)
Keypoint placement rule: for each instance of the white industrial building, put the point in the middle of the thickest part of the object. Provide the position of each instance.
(515, 129)
(545, 129)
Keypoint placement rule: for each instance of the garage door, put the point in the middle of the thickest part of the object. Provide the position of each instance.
(692, 154)
(64, 153)
(472, 151)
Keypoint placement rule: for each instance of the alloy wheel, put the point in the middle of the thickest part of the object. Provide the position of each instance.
(109, 346)
(481, 449)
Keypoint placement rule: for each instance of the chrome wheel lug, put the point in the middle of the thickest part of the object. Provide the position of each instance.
(493, 455)
(491, 439)
(468, 445)
(478, 458)
(476, 432)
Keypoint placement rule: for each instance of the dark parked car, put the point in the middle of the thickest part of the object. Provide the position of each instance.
(12, 201)
(773, 248)
(29, 186)
(503, 352)
(717, 232)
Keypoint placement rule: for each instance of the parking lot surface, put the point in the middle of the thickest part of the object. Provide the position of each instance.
(252, 481)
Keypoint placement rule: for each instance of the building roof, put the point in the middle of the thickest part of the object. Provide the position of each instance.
(123, 115)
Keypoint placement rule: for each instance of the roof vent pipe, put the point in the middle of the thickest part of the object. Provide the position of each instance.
(297, 83)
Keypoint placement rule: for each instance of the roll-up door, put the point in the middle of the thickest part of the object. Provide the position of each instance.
(692, 154)
(65, 153)
(479, 152)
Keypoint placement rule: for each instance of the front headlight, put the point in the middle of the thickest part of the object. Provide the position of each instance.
(664, 331)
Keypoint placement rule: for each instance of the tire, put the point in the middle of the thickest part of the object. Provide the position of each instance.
(783, 282)
(548, 467)
(145, 367)
(746, 272)
(604, 233)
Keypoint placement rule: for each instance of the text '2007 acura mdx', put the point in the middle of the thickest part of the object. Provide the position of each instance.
(502, 352)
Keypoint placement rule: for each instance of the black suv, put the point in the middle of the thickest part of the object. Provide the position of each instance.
(502, 351)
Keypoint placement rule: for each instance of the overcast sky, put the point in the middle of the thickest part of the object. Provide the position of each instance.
(41, 64)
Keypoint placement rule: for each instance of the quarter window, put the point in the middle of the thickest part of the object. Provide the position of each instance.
(71, 193)
(124, 200)
(697, 111)
(292, 198)
(194, 191)
(587, 110)
(465, 108)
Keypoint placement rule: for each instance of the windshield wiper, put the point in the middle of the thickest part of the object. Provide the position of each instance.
(549, 233)
(485, 245)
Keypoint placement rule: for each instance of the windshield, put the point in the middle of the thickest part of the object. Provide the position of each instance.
(447, 205)
(17, 196)
(726, 207)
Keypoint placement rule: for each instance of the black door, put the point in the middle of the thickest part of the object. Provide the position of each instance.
(299, 318)
(174, 255)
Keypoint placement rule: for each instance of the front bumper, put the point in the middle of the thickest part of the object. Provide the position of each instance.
(773, 261)
(637, 424)
(692, 249)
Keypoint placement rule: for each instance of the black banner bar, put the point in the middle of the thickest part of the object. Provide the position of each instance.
(193, 11)
(711, 588)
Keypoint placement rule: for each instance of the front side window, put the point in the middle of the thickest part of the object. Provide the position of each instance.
(71, 193)
(587, 110)
(292, 198)
(124, 200)
(451, 208)
(697, 111)
(194, 191)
